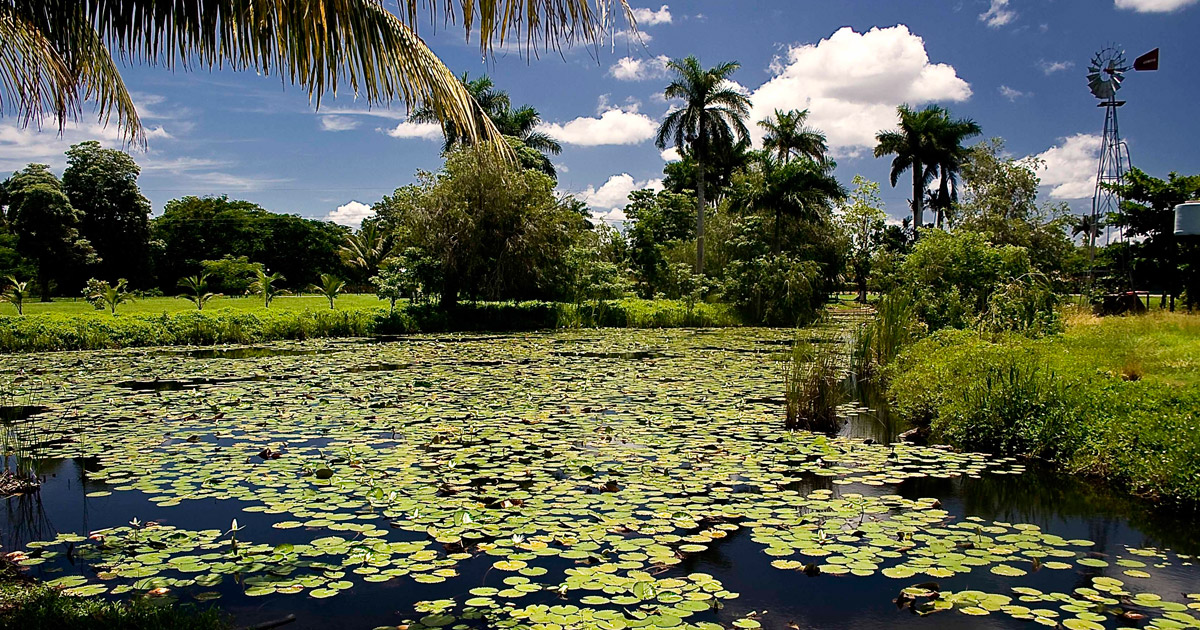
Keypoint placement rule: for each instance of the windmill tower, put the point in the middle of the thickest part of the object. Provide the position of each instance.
(1105, 74)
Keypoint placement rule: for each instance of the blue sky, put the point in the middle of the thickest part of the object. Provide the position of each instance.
(1015, 66)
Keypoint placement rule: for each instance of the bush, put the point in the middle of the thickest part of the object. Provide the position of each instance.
(35, 607)
(777, 290)
(229, 275)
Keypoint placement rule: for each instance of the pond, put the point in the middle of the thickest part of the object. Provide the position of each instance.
(590, 479)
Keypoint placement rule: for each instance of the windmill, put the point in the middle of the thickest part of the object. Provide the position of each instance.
(1105, 74)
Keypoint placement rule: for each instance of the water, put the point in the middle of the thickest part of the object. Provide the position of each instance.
(607, 399)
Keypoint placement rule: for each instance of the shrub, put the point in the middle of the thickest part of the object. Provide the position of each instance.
(777, 290)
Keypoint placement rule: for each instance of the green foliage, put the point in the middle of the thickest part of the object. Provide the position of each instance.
(1072, 399)
(196, 288)
(87, 331)
(15, 292)
(103, 295)
(893, 327)
(496, 231)
(395, 281)
(813, 387)
(953, 275)
(267, 285)
(778, 290)
(229, 275)
(367, 248)
(30, 606)
(114, 216)
(45, 224)
(862, 221)
(655, 222)
(330, 287)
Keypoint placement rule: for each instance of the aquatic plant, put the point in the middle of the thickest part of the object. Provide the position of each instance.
(876, 343)
(813, 379)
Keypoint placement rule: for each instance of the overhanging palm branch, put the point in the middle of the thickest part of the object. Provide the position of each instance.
(54, 54)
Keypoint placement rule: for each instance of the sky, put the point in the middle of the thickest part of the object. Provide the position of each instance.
(1014, 66)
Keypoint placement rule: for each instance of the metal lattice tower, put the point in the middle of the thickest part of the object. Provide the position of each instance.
(1114, 163)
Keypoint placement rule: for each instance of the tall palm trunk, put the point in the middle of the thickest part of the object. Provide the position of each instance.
(702, 148)
(943, 198)
(918, 195)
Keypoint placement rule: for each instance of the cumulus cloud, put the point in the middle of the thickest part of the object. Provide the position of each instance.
(1070, 167)
(632, 69)
(1012, 94)
(1050, 67)
(1154, 6)
(614, 126)
(671, 155)
(998, 14)
(20, 145)
(350, 214)
(608, 201)
(338, 123)
(420, 131)
(650, 17)
(852, 82)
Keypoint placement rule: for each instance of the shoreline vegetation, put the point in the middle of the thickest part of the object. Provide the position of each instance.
(1108, 398)
(97, 330)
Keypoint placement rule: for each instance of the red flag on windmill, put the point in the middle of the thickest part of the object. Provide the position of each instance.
(1148, 61)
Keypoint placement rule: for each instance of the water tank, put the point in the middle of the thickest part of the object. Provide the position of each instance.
(1187, 219)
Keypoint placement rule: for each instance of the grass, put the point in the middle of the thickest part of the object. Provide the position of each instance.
(159, 305)
(245, 322)
(28, 605)
(1114, 398)
(813, 387)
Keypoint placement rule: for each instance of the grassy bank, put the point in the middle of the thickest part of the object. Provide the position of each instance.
(1115, 398)
(90, 329)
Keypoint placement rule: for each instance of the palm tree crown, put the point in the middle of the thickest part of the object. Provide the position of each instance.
(788, 136)
(913, 145)
(949, 154)
(713, 113)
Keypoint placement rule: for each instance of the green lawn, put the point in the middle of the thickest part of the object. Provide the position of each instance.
(158, 305)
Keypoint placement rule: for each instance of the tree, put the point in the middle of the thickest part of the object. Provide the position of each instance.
(394, 281)
(788, 136)
(1147, 215)
(713, 113)
(330, 287)
(196, 290)
(104, 295)
(267, 285)
(948, 157)
(655, 220)
(913, 144)
(862, 220)
(65, 50)
(115, 217)
(519, 126)
(366, 249)
(800, 189)
(46, 224)
(229, 275)
(497, 231)
(15, 293)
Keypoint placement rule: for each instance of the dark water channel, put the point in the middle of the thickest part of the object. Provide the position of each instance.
(1065, 506)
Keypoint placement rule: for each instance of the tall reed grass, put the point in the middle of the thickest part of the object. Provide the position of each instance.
(814, 387)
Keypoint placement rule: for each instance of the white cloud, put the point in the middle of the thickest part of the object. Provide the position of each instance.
(608, 201)
(998, 14)
(338, 123)
(615, 126)
(852, 82)
(629, 37)
(1050, 67)
(218, 182)
(422, 131)
(350, 214)
(1012, 94)
(650, 17)
(631, 69)
(1070, 167)
(21, 145)
(671, 155)
(1154, 6)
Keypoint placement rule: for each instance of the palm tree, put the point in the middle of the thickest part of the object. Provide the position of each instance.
(801, 189)
(713, 113)
(112, 296)
(1089, 225)
(788, 136)
(55, 55)
(196, 290)
(331, 287)
(264, 285)
(15, 293)
(367, 248)
(520, 123)
(913, 146)
(948, 158)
